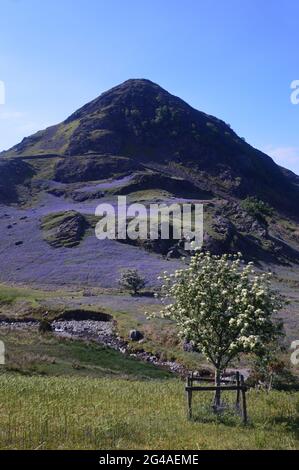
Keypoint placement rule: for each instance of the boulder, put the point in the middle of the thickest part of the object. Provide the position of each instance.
(135, 335)
(188, 347)
(63, 228)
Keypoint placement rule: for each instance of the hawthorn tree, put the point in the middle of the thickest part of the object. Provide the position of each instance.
(223, 307)
(131, 280)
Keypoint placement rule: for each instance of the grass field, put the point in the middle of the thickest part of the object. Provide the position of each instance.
(30, 353)
(67, 394)
(106, 413)
(11, 295)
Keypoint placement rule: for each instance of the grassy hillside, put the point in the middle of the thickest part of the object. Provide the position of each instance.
(29, 353)
(77, 413)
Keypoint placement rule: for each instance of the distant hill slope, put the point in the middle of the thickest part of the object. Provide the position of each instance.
(140, 120)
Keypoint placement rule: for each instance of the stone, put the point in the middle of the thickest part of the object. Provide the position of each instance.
(135, 335)
(188, 347)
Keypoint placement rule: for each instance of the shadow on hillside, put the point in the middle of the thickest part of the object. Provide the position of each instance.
(284, 254)
(146, 294)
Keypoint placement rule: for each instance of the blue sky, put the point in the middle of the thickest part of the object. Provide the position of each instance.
(235, 59)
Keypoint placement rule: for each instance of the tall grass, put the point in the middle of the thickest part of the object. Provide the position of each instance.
(85, 413)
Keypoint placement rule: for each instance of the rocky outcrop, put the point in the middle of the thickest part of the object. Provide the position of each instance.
(153, 180)
(63, 229)
(92, 168)
(13, 173)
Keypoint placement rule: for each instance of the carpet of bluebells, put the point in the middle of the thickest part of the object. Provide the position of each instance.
(25, 257)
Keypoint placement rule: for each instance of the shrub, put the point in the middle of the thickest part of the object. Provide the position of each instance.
(257, 208)
(132, 281)
(44, 326)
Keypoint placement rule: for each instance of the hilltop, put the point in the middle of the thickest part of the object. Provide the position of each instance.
(143, 122)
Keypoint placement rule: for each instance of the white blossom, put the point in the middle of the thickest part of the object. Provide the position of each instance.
(221, 294)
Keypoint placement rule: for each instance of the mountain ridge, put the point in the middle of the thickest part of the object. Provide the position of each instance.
(140, 120)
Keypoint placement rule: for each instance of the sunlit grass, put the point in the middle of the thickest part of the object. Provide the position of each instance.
(29, 353)
(10, 295)
(77, 413)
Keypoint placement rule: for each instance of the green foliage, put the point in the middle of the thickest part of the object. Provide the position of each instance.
(269, 371)
(257, 208)
(222, 306)
(44, 326)
(162, 113)
(132, 280)
(12, 295)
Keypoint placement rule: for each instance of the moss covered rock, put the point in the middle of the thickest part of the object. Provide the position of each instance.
(64, 228)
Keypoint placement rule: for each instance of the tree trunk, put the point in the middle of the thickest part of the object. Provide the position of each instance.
(217, 397)
(270, 383)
